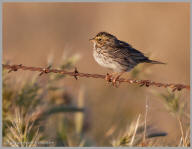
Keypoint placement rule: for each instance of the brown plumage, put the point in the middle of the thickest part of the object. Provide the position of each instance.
(117, 55)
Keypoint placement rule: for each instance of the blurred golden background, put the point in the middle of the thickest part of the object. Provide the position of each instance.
(34, 33)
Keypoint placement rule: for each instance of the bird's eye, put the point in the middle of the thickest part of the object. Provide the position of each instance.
(99, 39)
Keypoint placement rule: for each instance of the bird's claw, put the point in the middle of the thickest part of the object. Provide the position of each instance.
(115, 81)
(110, 78)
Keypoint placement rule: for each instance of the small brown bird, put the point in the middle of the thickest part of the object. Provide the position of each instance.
(117, 55)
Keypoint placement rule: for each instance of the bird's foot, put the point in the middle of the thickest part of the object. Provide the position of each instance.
(114, 80)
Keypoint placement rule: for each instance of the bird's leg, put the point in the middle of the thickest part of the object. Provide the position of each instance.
(114, 81)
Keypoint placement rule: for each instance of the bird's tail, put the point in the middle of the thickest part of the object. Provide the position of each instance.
(154, 62)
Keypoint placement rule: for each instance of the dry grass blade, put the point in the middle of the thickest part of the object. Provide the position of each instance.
(10, 141)
(135, 130)
(145, 123)
(181, 128)
(35, 139)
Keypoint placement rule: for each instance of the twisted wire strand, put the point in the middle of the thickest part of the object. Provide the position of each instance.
(76, 74)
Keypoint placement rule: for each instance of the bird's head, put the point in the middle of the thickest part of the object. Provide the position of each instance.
(104, 39)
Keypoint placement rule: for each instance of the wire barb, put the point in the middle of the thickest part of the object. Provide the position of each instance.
(45, 70)
(145, 83)
(75, 74)
(14, 68)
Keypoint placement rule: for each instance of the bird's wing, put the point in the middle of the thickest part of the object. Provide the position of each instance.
(126, 51)
(123, 44)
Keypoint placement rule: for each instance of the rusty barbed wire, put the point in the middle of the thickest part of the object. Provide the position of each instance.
(77, 74)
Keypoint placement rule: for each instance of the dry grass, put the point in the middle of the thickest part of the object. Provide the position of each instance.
(21, 132)
(31, 110)
(140, 133)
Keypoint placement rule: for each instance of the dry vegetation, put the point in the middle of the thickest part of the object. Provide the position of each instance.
(30, 109)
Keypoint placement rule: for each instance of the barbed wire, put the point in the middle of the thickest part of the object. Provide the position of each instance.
(76, 74)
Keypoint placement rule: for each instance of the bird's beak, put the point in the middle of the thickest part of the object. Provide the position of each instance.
(92, 39)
